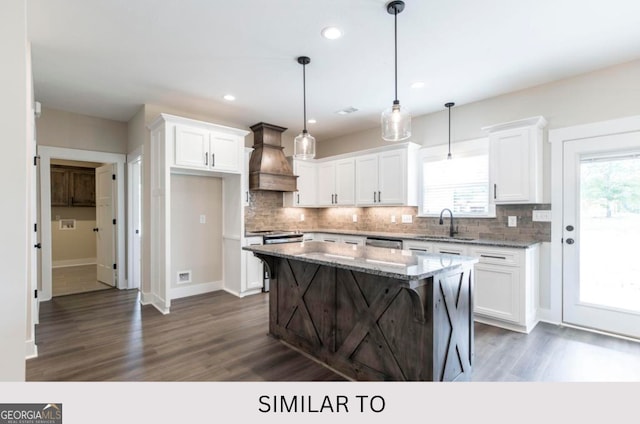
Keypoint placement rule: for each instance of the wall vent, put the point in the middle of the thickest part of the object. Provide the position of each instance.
(184, 277)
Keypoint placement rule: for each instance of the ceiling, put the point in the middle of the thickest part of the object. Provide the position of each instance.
(106, 58)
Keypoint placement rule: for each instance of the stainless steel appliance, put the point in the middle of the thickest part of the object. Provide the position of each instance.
(277, 237)
(390, 243)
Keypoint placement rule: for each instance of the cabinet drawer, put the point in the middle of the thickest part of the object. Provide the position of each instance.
(449, 249)
(505, 257)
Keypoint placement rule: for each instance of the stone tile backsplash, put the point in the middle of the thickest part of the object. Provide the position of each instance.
(265, 212)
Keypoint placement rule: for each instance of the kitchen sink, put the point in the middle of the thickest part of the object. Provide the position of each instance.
(445, 238)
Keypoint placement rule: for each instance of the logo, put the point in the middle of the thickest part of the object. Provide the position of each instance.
(30, 413)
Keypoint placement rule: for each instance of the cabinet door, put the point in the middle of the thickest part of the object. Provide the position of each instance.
(307, 179)
(82, 187)
(225, 153)
(59, 187)
(345, 182)
(510, 165)
(191, 147)
(367, 179)
(392, 180)
(497, 291)
(254, 266)
(326, 183)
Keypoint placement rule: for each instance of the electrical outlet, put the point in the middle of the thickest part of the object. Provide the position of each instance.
(393, 219)
(513, 221)
(543, 216)
(355, 218)
(203, 219)
(407, 219)
(301, 217)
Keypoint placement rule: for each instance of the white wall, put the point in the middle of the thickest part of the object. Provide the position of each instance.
(14, 178)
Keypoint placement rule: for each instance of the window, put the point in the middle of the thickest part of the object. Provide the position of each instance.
(460, 184)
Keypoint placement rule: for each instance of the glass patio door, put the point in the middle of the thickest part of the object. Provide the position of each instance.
(601, 233)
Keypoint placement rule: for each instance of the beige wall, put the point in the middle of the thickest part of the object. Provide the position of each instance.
(74, 131)
(69, 246)
(194, 246)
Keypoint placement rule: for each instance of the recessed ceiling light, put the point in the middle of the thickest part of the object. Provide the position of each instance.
(311, 121)
(331, 33)
(417, 84)
(229, 97)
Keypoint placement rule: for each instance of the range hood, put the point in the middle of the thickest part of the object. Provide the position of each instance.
(268, 167)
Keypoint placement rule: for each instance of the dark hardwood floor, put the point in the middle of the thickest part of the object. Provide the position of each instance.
(109, 336)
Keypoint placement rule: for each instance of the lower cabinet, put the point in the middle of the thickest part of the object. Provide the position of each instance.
(506, 287)
(340, 238)
(254, 274)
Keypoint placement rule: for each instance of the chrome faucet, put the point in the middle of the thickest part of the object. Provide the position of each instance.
(452, 231)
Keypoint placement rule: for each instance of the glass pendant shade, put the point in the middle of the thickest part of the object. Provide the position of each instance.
(304, 146)
(396, 123)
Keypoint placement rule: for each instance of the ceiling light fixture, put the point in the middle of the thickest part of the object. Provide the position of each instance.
(229, 97)
(396, 121)
(417, 84)
(331, 33)
(311, 121)
(448, 106)
(304, 145)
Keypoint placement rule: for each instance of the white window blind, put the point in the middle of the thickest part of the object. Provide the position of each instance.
(460, 184)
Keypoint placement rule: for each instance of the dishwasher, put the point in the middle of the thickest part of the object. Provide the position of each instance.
(389, 243)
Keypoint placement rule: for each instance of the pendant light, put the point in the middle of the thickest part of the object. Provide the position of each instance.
(448, 106)
(304, 145)
(396, 120)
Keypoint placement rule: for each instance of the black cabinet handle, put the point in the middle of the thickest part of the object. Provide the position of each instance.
(213, 160)
(298, 198)
(336, 198)
(495, 188)
(206, 159)
(493, 257)
(374, 197)
(379, 198)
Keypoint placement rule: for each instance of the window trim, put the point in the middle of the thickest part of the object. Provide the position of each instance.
(459, 149)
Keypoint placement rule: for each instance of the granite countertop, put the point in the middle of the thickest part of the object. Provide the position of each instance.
(398, 264)
(423, 237)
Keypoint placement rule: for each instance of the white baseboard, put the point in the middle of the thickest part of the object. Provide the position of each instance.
(247, 293)
(547, 315)
(31, 349)
(195, 289)
(74, 262)
(146, 298)
(159, 304)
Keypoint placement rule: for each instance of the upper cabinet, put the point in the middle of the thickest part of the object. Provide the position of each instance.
(387, 178)
(206, 147)
(515, 157)
(336, 183)
(71, 186)
(375, 177)
(306, 195)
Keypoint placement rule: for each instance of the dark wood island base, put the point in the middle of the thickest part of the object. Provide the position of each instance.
(375, 327)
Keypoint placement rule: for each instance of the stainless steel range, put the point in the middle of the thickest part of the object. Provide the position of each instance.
(277, 237)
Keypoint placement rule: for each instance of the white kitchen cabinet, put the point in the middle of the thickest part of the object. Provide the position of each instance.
(341, 238)
(515, 158)
(307, 172)
(417, 246)
(336, 183)
(505, 290)
(254, 269)
(201, 148)
(387, 177)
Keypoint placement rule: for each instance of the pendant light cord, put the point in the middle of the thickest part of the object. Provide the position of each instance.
(395, 36)
(304, 96)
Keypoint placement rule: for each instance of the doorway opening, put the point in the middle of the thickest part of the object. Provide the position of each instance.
(74, 228)
(82, 220)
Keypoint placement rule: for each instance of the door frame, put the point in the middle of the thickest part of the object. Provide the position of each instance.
(557, 138)
(47, 153)
(132, 158)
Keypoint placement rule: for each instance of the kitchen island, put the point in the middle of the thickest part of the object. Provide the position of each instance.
(373, 313)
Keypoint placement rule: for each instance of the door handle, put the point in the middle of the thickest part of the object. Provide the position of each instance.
(569, 227)
(570, 241)
(95, 230)
(38, 246)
